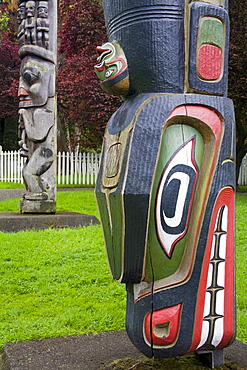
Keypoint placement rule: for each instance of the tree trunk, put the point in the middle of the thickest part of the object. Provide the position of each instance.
(2, 125)
(241, 148)
(61, 141)
(66, 126)
(241, 151)
(77, 138)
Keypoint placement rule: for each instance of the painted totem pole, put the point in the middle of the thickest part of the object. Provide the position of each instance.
(165, 189)
(37, 107)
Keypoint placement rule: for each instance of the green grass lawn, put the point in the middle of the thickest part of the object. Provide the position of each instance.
(56, 282)
(241, 265)
(15, 185)
(11, 185)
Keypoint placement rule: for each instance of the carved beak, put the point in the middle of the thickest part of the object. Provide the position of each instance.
(23, 94)
(22, 91)
(104, 52)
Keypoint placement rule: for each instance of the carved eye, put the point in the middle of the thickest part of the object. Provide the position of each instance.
(109, 72)
(30, 77)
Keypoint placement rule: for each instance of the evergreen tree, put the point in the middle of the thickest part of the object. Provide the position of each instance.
(238, 73)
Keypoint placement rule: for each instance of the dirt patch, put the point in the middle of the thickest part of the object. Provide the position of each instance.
(179, 363)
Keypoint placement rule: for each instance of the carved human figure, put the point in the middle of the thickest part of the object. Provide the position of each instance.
(37, 104)
(21, 16)
(30, 24)
(36, 119)
(42, 25)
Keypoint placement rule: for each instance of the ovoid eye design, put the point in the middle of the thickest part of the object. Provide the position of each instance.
(109, 72)
(30, 77)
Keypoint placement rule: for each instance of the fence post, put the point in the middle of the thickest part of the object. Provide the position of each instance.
(63, 168)
(88, 168)
(58, 168)
(244, 171)
(80, 167)
(20, 164)
(1, 165)
(11, 175)
(67, 168)
(71, 168)
(84, 168)
(76, 167)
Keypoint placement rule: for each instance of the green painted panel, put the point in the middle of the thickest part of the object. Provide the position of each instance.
(115, 251)
(212, 32)
(157, 261)
(112, 219)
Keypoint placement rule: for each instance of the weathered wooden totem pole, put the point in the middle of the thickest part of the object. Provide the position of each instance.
(37, 107)
(165, 189)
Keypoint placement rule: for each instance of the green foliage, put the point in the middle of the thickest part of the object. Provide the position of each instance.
(4, 21)
(238, 73)
(238, 50)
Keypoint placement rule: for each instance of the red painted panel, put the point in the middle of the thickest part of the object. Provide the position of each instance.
(204, 114)
(209, 62)
(229, 306)
(162, 326)
(226, 197)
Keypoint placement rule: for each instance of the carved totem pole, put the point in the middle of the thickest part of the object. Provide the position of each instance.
(37, 114)
(165, 189)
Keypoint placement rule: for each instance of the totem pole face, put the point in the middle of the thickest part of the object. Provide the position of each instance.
(112, 69)
(21, 13)
(30, 8)
(36, 82)
(42, 11)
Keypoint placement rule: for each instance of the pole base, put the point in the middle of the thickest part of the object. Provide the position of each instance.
(211, 358)
(37, 206)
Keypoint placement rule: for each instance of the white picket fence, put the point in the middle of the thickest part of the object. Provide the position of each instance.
(77, 168)
(72, 168)
(11, 164)
(242, 179)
